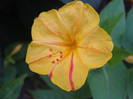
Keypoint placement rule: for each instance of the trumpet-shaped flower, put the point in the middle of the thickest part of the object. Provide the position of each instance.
(67, 44)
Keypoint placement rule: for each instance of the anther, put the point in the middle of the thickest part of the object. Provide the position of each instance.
(57, 59)
(50, 49)
(60, 56)
(60, 52)
(49, 56)
(53, 62)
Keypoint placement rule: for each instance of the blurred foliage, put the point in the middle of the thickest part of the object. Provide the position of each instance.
(115, 8)
(82, 93)
(11, 89)
(94, 3)
(114, 81)
(109, 82)
(118, 55)
(51, 94)
(128, 40)
(130, 84)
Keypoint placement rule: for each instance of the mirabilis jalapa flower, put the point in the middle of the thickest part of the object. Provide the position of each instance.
(67, 44)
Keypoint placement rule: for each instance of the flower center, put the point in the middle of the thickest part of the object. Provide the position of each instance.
(72, 45)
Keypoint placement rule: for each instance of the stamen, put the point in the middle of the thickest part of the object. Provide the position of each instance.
(60, 56)
(53, 62)
(56, 54)
(49, 56)
(57, 59)
(61, 52)
(50, 49)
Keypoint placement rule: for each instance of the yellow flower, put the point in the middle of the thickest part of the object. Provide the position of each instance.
(67, 43)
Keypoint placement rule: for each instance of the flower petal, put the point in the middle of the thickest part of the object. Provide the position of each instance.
(98, 40)
(78, 16)
(93, 59)
(48, 26)
(70, 74)
(40, 56)
(80, 73)
(95, 49)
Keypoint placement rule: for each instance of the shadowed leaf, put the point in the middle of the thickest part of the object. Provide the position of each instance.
(11, 90)
(109, 82)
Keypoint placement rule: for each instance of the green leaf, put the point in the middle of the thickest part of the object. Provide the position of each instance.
(9, 48)
(51, 94)
(128, 36)
(9, 73)
(83, 92)
(22, 68)
(110, 23)
(19, 55)
(11, 90)
(130, 85)
(118, 55)
(48, 82)
(94, 3)
(114, 9)
(22, 53)
(109, 82)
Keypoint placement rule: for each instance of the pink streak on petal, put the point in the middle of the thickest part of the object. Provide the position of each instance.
(70, 73)
(51, 73)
